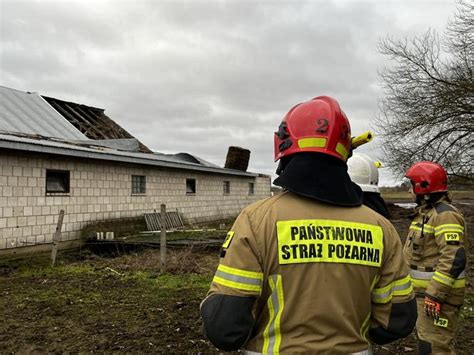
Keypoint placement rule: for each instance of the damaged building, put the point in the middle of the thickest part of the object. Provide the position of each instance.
(58, 155)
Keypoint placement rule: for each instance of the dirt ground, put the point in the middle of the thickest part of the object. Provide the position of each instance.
(96, 304)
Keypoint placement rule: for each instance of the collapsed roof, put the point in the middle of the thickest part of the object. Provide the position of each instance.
(92, 121)
(41, 124)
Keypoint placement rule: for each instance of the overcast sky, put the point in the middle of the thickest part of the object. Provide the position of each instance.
(198, 76)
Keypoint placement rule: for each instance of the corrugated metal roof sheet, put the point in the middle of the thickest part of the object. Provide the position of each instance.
(29, 144)
(29, 113)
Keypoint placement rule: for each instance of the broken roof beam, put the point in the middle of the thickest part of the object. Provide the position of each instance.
(94, 131)
(82, 124)
(78, 110)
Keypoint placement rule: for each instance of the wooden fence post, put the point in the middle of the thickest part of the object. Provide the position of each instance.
(57, 237)
(163, 239)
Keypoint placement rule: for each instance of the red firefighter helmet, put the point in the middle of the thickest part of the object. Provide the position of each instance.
(427, 177)
(318, 125)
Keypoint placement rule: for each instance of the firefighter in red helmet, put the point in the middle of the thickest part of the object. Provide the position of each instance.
(435, 251)
(310, 270)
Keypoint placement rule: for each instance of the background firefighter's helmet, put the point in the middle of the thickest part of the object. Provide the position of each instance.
(363, 170)
(318, 125)
(427, 177)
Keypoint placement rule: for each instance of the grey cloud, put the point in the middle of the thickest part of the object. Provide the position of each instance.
(198, 76)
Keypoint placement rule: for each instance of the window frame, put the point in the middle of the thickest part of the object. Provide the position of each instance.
(64, 175)
(191, 182)
(140, 184)
(226, 187)
(251, 191)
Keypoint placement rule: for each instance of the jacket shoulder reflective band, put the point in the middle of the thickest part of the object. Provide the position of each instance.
(448, 280)
(448, 228)
(422, 278)
(401, 287)
(239, 279)
(426, 228)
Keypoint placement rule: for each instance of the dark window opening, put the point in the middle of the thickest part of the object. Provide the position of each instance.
(226, 187)
(57, 181)
(138, 184)
(251, 188)
(190, 186)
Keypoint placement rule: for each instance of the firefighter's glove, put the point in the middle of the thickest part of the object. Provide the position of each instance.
(432, 307)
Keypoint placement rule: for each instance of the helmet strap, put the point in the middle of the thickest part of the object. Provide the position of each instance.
(282, 164)
(279, 168)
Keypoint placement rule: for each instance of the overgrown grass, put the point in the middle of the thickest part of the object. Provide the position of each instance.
(95, 304)
(172, 281)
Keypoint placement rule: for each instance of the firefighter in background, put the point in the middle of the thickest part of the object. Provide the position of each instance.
(435, 251)
(310, 269)
(364, 171)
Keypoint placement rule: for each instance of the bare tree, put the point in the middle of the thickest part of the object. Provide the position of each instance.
(427, 112)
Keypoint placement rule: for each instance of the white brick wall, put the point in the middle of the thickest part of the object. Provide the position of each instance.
(102, 190)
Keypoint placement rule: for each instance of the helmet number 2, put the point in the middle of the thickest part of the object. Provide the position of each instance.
(322, 125)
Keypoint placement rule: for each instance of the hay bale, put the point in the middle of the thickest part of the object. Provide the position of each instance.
(237, 158)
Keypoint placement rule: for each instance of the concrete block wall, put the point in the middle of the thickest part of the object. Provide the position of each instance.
(102, 190)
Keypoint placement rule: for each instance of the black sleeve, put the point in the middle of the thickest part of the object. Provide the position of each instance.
(228, 320)
(401, 322)
(459, 263)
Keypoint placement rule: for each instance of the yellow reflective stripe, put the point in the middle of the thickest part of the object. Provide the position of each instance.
(238, 278)
(365, 327)
(427, 231)
(279, 290)
(342, 150)
(275, 304)
(456, 228)
(374, 282)
(426, 228)
(401, 287)
(449, 230)
(312, 142)
(365, 324)
(459, 283)
(444, 279)
(418, 224)
(237, 285)
(441, 226)
(240, 272)
(437, 273)
(266, 336)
